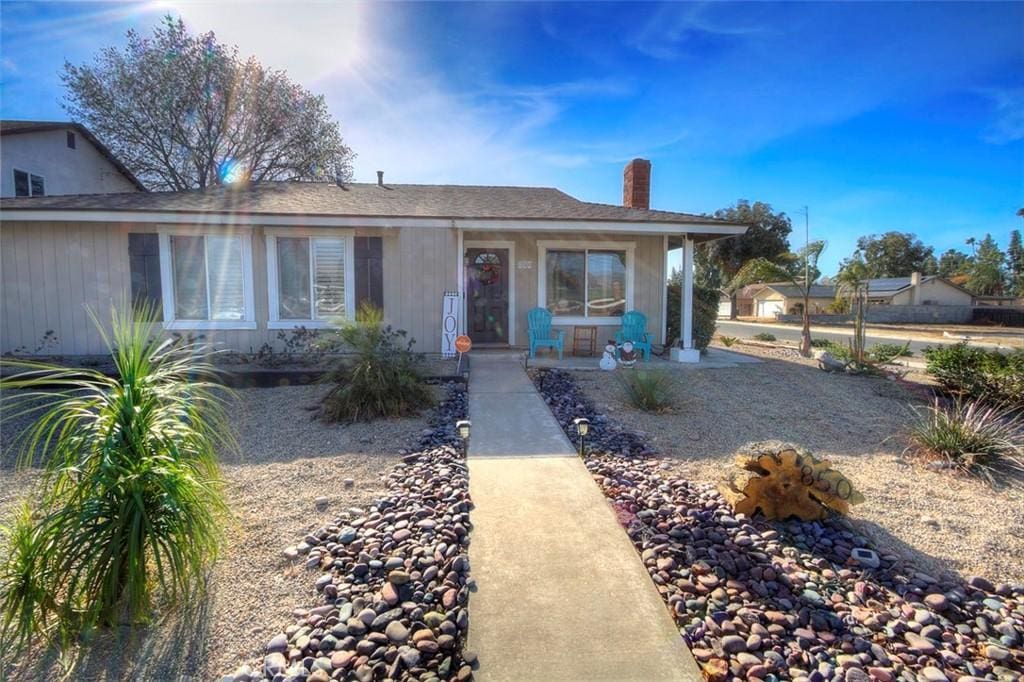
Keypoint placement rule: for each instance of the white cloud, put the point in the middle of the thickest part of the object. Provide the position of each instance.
(1008, 123)
(670, 30)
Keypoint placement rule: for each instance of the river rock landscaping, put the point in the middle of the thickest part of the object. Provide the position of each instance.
(790, 600)
(938, 519)
(393, 577)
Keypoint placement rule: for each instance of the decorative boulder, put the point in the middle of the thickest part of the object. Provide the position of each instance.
(830, 363)
(782, 480)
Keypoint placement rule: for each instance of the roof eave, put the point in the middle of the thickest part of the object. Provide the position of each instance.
(711, 230)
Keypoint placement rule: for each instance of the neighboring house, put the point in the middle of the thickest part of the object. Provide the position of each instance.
(238, 264)
(744, 302)
(917, 290)
(50, 158)
(787, 299)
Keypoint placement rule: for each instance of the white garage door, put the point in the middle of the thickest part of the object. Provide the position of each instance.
(769, 308)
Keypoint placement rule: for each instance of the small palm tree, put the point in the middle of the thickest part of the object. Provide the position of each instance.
(130, 503)
(791, 268)
(852, 286)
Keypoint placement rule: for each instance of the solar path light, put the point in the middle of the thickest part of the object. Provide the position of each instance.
(582, 428)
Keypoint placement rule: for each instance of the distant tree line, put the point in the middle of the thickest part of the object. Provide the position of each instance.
(764, 252)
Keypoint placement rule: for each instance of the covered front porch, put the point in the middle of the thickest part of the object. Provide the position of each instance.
(586, 280)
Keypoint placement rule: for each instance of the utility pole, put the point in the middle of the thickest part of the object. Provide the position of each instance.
(807, 246)
(805, 341)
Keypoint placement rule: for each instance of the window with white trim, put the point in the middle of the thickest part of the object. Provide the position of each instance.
(310, 278)
(207, 281)
(208, 277)
(586, 283)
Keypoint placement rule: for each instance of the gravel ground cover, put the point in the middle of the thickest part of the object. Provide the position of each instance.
(772, 600)
(941, 520)
(393, 577)
(289, 476)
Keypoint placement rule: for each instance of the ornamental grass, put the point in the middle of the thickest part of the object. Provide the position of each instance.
(130, 508)
(979, 438)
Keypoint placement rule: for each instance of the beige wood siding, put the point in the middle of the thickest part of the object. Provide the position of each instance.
(52, 274)
(419, 266)
(649, 281)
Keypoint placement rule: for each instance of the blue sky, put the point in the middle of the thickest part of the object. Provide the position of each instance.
(878, 116)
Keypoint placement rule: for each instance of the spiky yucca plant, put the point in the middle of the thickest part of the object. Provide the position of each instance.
(648, 390)
(981, 439)
(131, 502)
(378, 376)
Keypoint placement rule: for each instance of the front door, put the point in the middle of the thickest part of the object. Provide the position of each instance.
(487, 295)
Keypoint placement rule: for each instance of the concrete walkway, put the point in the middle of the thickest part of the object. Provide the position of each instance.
(562, 594)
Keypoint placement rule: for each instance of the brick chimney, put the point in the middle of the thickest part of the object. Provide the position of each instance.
(636, 184)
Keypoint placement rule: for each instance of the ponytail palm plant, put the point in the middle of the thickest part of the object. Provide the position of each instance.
(130, 505)
(852, 285)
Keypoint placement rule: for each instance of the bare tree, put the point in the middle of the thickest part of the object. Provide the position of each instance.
(185, 112)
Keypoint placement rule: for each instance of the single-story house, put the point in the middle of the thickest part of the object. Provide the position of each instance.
(744, 301)
(46, 158)
(236, 264)
(787, 299)
(917, 290)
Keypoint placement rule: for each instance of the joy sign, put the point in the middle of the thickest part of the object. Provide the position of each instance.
(449, 323)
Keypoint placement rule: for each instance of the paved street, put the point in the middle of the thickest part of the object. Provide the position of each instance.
(745, 330)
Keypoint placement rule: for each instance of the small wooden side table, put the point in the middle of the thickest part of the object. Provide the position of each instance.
(584, 338)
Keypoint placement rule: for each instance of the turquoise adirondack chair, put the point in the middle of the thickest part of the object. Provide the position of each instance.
(541, 332)
(634, 328)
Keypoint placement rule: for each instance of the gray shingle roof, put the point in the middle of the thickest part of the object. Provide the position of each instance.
(19, 127)
(366, 199)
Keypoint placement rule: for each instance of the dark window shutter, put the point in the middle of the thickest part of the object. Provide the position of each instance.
(369, 275)
(21, 187)
(144, 260)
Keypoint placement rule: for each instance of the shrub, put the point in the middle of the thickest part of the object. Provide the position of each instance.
(705, 313)
(887, 352)
(838, 351)
(973, 436)
(764, 336)
(821, 343)
(978, 372)
(131, 494)
(380, 378)
(839, 306)
(728, 341)
(650, 391)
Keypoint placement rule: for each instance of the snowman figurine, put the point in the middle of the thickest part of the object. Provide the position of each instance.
(608, 357)
(627, 354)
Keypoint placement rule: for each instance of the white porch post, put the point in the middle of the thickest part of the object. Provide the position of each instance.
(686, 352)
